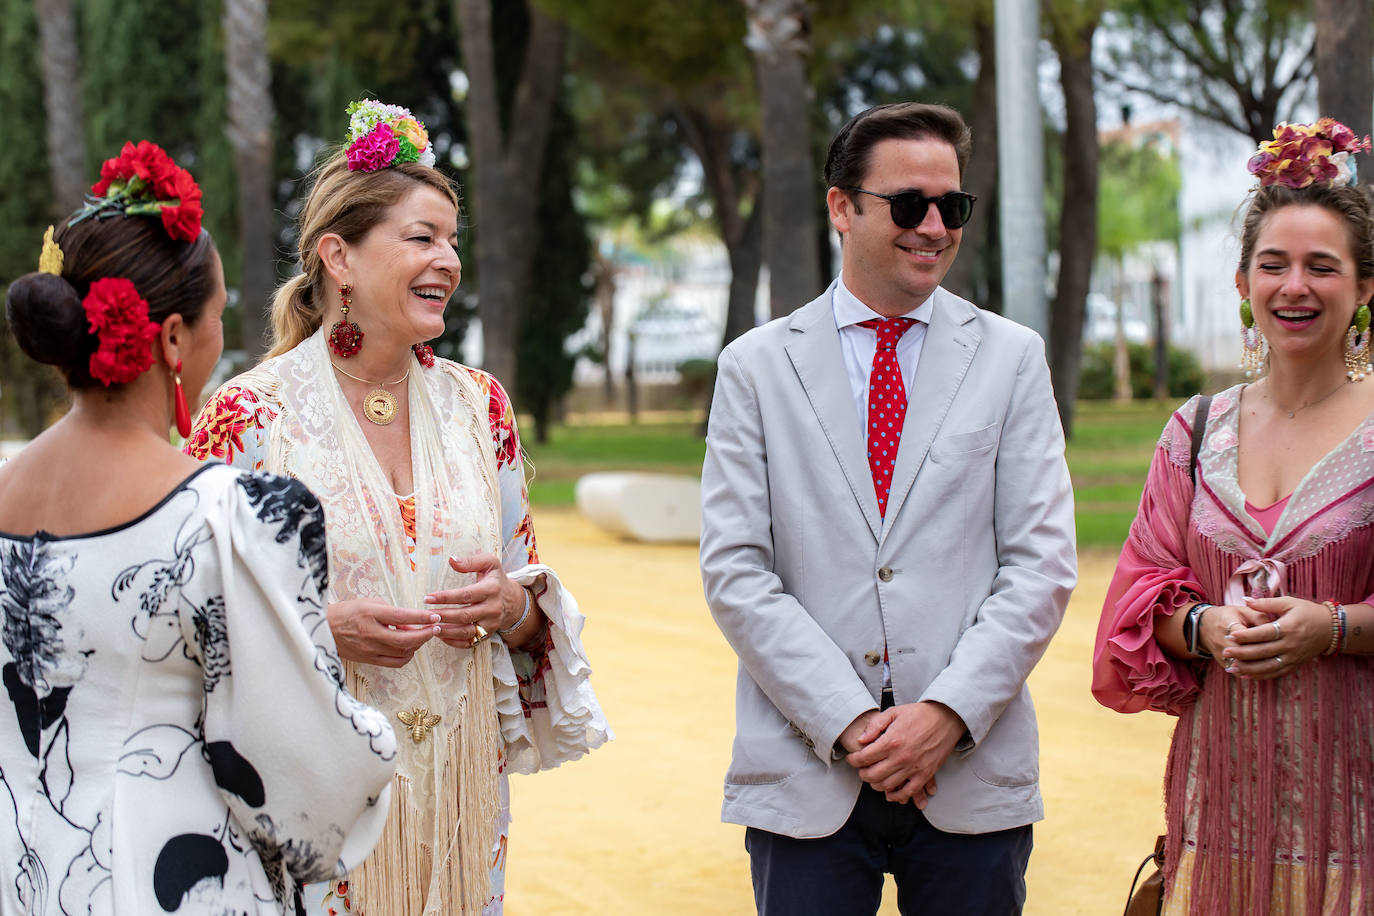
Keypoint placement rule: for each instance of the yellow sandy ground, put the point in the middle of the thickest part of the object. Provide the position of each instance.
(635, 827)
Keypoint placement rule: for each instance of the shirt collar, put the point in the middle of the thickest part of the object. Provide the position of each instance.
(850, 310)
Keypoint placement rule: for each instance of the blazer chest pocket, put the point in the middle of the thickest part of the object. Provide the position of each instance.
(962, 446)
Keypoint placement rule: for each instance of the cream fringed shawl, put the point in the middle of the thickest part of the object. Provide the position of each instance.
(432, 858)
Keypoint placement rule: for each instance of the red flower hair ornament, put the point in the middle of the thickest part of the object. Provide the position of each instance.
(144, 181)
(118, 316)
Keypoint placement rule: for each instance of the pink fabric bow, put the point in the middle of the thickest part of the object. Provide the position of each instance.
(1261, 577)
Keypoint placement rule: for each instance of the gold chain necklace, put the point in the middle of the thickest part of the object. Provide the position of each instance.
(379, 405)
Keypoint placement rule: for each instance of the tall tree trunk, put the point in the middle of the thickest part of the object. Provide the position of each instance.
(970, 275)
(1345, 79)
(1121, 352)
(66, 135)
(605, 271)
(1078, 215)
(1159, 299)
(506, 165)
(710, 137)
(249, 102)
(779, 36)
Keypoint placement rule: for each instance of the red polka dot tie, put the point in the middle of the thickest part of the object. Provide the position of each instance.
(886, 404)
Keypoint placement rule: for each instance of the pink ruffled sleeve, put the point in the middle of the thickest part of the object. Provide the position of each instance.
(1131, 672)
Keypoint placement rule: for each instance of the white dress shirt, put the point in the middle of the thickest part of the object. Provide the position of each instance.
(860, 344)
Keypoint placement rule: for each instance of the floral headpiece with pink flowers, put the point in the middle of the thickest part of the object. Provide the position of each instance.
(144, 181)
(1305, 154)
(385, 135)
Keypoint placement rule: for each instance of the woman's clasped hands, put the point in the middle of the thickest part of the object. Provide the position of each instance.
(1266, 637)
(373, 632)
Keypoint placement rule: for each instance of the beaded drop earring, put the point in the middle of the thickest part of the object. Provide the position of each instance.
(1357, 346)
(345, 337)
(1252, 341)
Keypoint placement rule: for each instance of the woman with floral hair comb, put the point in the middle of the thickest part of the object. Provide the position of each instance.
(1242, 599)
(444, 616)
(169, 675)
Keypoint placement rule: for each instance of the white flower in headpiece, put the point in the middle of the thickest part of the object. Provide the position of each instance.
(1345, 169)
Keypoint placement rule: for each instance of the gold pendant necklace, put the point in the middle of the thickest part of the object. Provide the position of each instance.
(379, 405)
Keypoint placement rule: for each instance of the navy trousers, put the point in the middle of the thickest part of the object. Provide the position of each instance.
(948, 874)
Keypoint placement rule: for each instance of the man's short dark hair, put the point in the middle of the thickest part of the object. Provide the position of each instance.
(850, 151)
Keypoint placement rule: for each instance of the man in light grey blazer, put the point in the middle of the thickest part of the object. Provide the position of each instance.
(888, 546)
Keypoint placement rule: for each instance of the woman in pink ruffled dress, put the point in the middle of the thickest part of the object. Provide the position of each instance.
(1242, 599)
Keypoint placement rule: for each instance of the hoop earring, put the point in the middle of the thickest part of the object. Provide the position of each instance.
(182, 411)
(1357, 346)
(1252, 342)
(345, 337)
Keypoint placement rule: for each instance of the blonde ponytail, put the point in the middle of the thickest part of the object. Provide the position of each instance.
(295, 315)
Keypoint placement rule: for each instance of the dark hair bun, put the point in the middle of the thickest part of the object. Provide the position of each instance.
(47, 319)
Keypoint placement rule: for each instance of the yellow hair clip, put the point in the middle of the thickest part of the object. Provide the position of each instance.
(50, 261)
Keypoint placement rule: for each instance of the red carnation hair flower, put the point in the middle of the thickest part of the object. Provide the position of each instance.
(144, 181)
(118, 316)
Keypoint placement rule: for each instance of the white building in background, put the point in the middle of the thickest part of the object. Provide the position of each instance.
(1215, 183)
(674, 309)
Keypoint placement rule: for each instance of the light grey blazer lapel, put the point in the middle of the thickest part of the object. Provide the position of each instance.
(814, 349)
(946, 354)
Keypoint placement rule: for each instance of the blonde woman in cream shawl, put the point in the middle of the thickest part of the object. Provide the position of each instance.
(441, 610)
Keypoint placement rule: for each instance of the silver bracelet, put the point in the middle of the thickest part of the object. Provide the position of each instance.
(510, 630)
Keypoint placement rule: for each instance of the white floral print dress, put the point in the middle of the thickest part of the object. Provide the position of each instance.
(168, 683)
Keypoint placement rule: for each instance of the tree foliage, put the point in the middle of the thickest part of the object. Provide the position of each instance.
(1239, 63)
(1139, 198)
(29, 390)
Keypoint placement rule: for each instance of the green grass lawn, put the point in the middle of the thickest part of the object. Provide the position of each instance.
(1108, 457)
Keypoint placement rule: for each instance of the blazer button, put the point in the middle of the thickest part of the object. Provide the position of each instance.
(872, 658)
(885, 573)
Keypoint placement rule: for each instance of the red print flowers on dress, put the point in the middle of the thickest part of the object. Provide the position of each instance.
(118, 316)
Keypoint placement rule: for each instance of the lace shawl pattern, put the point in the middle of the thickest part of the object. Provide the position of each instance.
(431, 858)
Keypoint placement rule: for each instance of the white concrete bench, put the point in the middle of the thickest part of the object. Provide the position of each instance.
(642, 506)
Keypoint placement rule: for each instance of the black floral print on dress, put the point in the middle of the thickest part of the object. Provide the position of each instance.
(284, 501)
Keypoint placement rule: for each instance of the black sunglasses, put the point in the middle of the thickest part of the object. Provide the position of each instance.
(909, 208)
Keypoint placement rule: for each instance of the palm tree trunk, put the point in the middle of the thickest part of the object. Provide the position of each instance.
(66, 136)
(505, 170)
(972, 273)
(779, 37)
(1345, 79)
(1077, 217)
(250, 135)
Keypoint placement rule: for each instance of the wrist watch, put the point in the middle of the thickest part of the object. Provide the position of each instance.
(1191, 625)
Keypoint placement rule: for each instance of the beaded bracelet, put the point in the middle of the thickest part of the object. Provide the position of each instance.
(510, 630)
(1337, 643)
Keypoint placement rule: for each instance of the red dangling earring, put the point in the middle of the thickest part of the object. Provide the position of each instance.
(183, 412)
(424, 353)
(345, 337)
